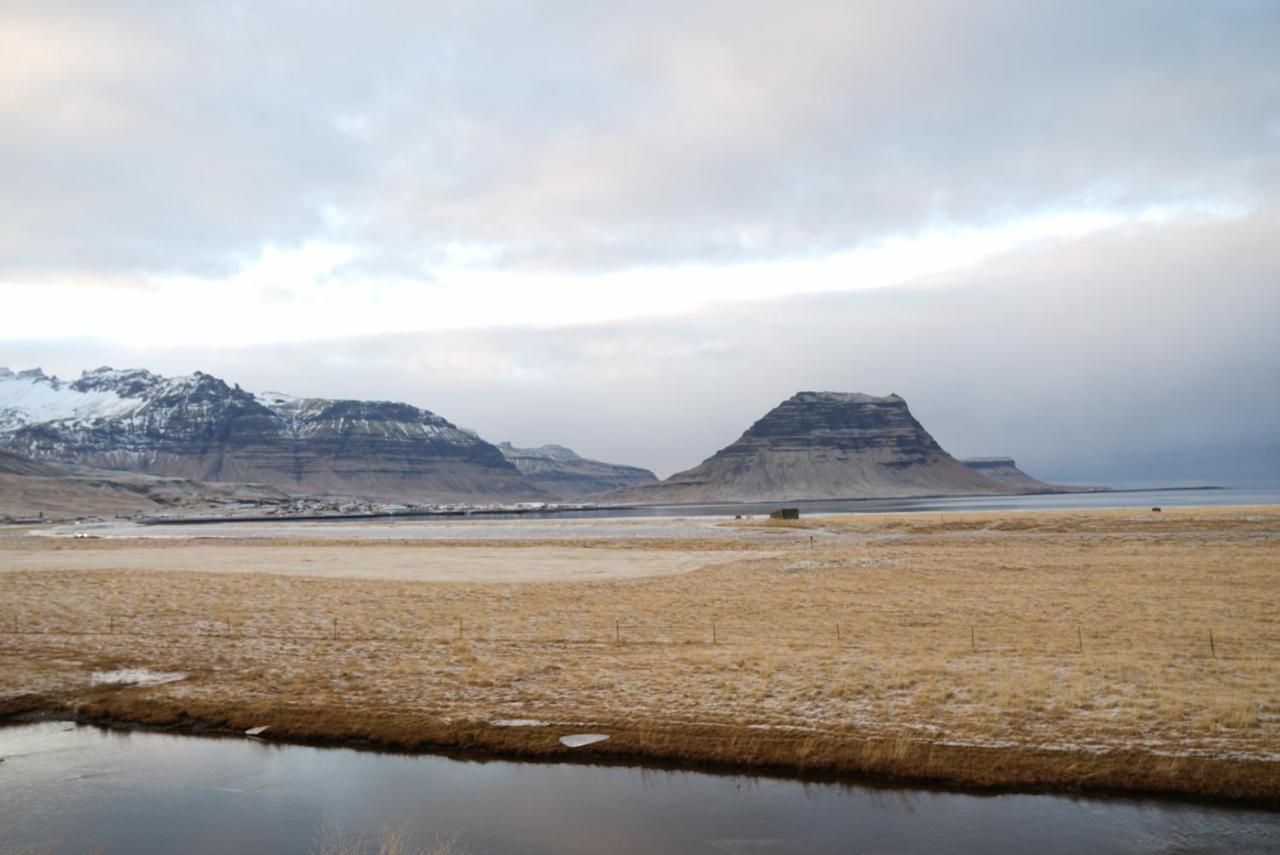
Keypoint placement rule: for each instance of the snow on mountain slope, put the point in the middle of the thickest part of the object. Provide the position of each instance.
(31, 397)
(311, 416)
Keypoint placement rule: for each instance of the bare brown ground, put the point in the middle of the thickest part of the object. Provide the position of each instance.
(1066, 650)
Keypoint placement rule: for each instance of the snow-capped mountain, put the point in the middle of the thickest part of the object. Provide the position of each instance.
(200, 427)
(31, 396)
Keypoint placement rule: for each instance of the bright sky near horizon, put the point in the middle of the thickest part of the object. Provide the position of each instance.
(1049, 226)
(301, 294)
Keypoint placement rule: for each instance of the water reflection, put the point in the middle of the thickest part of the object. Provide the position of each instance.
(81, 788)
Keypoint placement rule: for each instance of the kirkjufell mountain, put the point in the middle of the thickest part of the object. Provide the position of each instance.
(824, 445)
(201, 428)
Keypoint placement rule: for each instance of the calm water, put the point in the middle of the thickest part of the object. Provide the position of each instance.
(1168, 498)
(1054, 501)
(79, 788)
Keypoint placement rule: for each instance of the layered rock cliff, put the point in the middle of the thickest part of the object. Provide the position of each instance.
(201, 428)
(564, 474)
(823, 445)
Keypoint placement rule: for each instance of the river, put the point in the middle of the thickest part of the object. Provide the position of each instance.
(67, 788)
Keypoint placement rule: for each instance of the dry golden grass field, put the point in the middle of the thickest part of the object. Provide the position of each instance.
(1063, 650)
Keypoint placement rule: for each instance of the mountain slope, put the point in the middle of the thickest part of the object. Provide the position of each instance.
(823, 445)
(13, 464)
(201, 428)
(1006, 472)
(564, 474)
(59, 490)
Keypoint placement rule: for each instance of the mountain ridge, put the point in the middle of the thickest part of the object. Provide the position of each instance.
(813, 445)
(565, 474)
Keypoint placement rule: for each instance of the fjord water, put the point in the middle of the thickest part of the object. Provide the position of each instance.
(1103, 499)
(1169, 498)
(74, 789)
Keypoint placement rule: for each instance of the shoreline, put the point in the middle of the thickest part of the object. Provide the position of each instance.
(634, 510)
(706, 748)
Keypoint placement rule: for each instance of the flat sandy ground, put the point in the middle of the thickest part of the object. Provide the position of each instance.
(451, 529)
(1059, 649)
(416, 563)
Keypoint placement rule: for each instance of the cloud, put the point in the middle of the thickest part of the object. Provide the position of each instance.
(147, 138)
(593, 223)
(300, 295)
(1142, 354)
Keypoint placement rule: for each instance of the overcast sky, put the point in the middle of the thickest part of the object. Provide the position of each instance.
(634, 228)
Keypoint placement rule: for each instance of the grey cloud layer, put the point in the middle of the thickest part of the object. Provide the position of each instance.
(184, 137)
(1142, 355)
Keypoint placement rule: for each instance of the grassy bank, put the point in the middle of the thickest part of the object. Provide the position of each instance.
(729, 748)
(1065, 651)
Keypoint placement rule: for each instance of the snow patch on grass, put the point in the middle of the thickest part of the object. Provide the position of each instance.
(518, 722)
(135, 677)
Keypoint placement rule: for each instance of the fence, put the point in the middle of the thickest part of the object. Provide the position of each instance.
(954, 639)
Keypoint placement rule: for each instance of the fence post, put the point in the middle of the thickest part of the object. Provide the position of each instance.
(335, 628)
(1080, 639)
(714, 639)
(617, 630)
(459, 629)
(113, 624)
(1213, 651)
(837, 631)
(973, 640)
